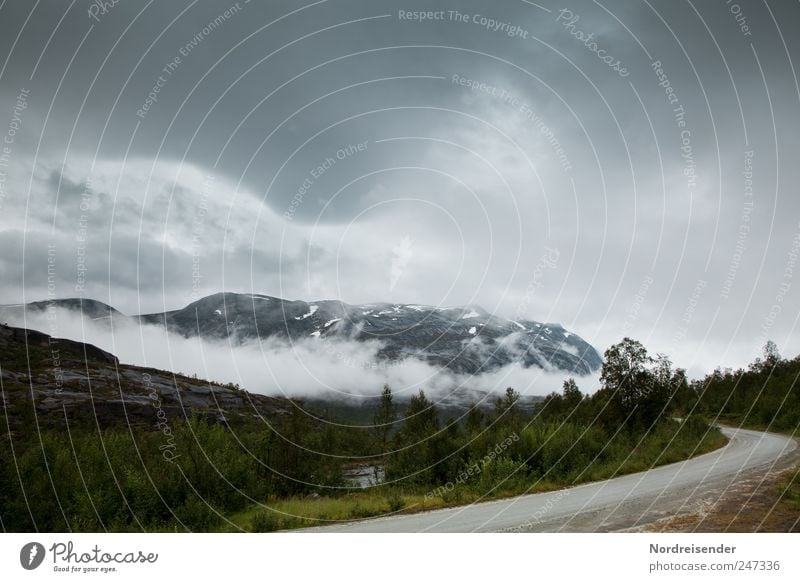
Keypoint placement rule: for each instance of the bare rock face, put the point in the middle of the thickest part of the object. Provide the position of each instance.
(32, 337)
(47, 379)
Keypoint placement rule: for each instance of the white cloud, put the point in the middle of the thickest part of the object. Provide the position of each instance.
(312, 367)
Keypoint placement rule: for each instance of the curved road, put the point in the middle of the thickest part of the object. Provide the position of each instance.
(611, 505)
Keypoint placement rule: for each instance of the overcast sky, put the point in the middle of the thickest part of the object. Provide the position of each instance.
(623, 168)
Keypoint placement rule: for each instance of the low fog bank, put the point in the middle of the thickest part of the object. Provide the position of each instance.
(316, 367)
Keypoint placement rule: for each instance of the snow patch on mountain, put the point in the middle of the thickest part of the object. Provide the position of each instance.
(312, 309)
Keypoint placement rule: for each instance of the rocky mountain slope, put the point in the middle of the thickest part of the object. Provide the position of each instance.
(62, 379)
(463, 339)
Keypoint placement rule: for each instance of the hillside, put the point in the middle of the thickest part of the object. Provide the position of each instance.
(64, 378)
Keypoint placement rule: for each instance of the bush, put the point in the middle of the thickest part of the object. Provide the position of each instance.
(500, 473)
(395, 501)
(265, 521)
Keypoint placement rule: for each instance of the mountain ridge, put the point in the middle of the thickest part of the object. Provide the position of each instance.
(464, 339)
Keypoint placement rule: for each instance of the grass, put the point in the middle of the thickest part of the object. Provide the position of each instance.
(790, 491)
(308, 511)
(647, 457)
(299, 512)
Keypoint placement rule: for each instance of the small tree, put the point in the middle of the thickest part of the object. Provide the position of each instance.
(572, 394)
(506, 411)
(662, 371)
(419, 451)
(771, 354)
(683, 398)
(384, 418)
(625, 372)
(474, 420)
(771, 358)
(505, 404)
(422, 418)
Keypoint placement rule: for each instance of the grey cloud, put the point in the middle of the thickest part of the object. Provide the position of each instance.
(623, 211)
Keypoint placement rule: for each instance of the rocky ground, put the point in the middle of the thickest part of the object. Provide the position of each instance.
(68, 379)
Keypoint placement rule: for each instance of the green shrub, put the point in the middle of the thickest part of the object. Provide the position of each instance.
(265, 521)
(395, 501)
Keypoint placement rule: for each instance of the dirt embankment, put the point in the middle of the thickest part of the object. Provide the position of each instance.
(754, 504)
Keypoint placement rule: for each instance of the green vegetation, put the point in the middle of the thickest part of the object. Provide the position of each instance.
(790, 490)
(286, 471)
(117, 480)
(765, 396)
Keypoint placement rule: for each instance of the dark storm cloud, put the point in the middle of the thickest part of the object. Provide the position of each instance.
(341, 149)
